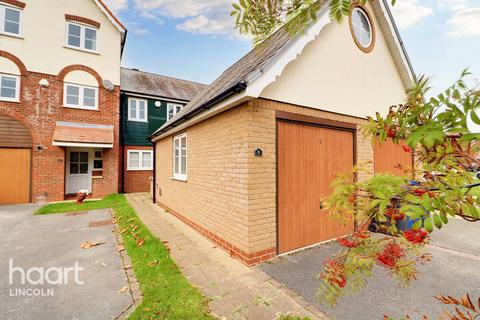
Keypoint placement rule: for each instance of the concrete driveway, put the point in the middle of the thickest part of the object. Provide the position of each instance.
(454, 271)
(89, 289)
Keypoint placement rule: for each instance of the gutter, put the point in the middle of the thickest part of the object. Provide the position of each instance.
(236, 88)
(399, 37)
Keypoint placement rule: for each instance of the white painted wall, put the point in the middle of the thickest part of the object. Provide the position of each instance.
(333, 74)
(7, 66)
(43, 37)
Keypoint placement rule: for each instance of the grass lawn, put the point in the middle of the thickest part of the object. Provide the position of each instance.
(166, 292)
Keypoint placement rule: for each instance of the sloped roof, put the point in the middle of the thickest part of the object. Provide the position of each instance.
(244, 71)
(136, 81)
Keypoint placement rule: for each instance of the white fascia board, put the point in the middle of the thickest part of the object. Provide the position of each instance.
(101, 6)
(259, 81)
(82, 145)
(398, 45)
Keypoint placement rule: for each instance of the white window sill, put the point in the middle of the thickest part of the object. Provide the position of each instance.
(81, 49)
(80, 108)
(9, 100)
(180, 178)
(13, 35)
(134, 120)
(139, 169)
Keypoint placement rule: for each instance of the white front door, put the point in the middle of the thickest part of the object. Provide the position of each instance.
(79, 170)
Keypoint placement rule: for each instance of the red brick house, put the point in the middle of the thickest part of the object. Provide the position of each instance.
(59, 99)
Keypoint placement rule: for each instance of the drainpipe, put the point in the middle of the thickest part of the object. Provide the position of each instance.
(154, 197)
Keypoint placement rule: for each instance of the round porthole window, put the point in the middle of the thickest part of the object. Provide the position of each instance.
(362, 29)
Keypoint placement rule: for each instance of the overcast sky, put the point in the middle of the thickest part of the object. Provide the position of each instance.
(195, 39)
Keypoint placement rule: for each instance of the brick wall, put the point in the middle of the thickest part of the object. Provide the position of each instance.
(39, 109)
(136, 181)
(231, 194)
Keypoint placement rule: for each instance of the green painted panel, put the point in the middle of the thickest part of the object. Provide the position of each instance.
(136, 133)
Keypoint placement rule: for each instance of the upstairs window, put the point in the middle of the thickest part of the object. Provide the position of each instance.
(9, 87)
(137, 110)
(82, 97)
(173, 109)
(10, 20)
(81, 37)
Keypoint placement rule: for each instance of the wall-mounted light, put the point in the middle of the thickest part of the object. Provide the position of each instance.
(158, 104)
(258, 153)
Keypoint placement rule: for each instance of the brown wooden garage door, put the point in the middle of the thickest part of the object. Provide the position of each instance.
(309, 157)
(14, 175)
(388, 155)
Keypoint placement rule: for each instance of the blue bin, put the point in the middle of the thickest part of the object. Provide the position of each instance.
(407, 223)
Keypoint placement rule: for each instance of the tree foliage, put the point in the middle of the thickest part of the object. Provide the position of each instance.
(437, 133)
(260, 18)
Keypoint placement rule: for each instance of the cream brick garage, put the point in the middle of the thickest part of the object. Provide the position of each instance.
(228, 189)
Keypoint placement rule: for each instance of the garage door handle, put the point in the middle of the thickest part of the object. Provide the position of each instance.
(321, 205)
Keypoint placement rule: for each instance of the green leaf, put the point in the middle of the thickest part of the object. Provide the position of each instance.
(473, 211)
(475, 117)
(437, 221)
(428, 224)
(444, 217)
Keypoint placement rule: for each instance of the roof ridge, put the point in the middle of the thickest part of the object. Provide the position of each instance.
(163, 76)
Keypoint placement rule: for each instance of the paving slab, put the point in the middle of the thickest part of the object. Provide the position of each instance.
(453, 271)
(54, 241)
(235, 291)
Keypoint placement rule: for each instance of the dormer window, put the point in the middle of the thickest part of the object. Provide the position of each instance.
(173, 109)
(10, 20)
(81, 37)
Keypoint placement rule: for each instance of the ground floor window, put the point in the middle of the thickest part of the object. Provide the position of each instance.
(98, 161)
(180, 157)
(140, 160)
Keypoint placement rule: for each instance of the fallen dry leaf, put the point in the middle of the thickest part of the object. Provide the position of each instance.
(88, 244)
(152, 263)
(120, 248)
(124, 289)
(127, 267)
(123, 231)
(140, 242)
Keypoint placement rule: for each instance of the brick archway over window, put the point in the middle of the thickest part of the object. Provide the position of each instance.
(16, 60)
(79, 67)
(8, 112)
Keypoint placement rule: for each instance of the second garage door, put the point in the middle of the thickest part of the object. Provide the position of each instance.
(309, 158)
(14, 175)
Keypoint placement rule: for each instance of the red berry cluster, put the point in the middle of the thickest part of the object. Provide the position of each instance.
(391, 132)
(416, 236)
(421, 192)
(394, 214)
(335, 273)
(390, 255)
(347, 243)
(407, 149)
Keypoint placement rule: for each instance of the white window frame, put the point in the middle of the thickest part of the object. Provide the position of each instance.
(80, 96)
(354, 26)
(17, 88)
(174, 107)
(95, 158)
(137, 113)
(2, 20)
(178, 175)
(83, 27)
(140, 160)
